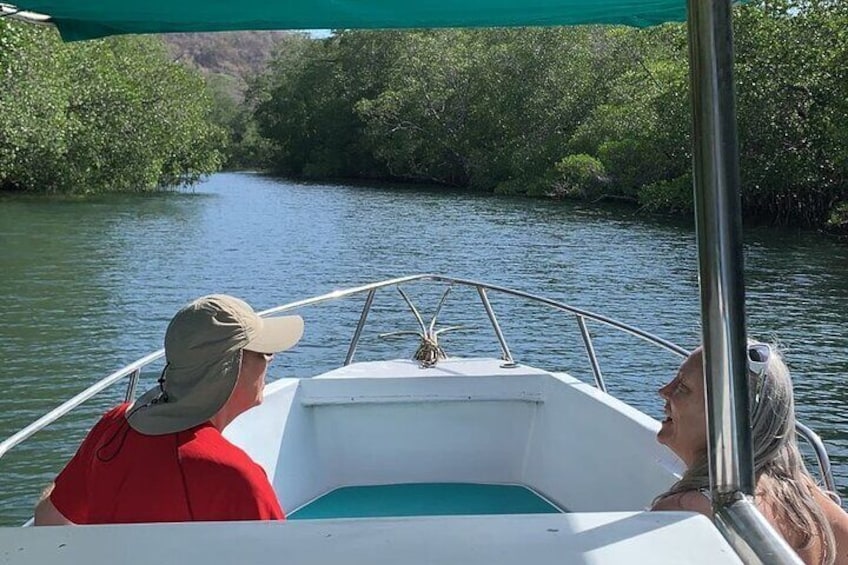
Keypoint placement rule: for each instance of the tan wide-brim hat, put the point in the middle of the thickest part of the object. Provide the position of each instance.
(203, 351)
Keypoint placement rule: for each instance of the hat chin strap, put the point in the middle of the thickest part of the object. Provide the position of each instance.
(163, 394)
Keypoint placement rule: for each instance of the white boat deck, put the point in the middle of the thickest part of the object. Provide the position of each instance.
(597, 537)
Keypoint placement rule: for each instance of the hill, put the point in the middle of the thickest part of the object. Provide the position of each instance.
(234, 55)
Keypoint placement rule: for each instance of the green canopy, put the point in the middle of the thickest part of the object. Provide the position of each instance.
(85, 19)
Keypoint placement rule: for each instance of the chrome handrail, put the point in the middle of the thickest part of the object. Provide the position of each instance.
(133, 370)
(626, 328)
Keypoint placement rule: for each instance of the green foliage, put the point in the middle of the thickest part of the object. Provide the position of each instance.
(34, 116)
(418, 122)
(306, 104)
(110, 115)
(640, 132)
(488, 109)
(626, 160)
(792, 71)
(496, 110)
(225, 94)
(575, 176)
(838, 220)
(511, 187)
(229, 61)
(243, 147)
(674, 195)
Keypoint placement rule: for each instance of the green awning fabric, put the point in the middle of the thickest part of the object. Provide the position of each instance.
(85, 19)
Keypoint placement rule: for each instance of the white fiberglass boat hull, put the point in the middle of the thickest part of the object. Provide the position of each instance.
(608, 537)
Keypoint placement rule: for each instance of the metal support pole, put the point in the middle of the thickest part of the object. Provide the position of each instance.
(505, 353)
(719, 231)
(354, 342)
(129, 396)
(590, 351)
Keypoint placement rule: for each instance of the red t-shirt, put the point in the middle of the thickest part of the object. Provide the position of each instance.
(120, 476)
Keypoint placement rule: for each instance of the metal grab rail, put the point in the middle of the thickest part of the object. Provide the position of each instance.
(133, 370)
(336, 294)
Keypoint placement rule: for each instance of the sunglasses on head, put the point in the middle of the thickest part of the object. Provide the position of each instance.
(758, 358)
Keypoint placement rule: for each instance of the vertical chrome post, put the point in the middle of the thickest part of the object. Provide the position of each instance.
(507, 356)
(354, 342)
(719, 231)
(590, 351)
(129, 396)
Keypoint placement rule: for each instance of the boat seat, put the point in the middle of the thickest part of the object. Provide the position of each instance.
(424, 499)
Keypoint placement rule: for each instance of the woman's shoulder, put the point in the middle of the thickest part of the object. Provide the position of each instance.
(832, 511)
(686, 501)
(838, 520)
(810, 550)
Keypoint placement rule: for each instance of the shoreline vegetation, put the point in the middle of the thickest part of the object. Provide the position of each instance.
(586, 113)
(113, 115)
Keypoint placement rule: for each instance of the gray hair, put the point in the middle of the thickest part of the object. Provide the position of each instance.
(776, 455)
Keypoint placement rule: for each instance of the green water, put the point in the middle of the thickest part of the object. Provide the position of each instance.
(424, 499)
(89, 286)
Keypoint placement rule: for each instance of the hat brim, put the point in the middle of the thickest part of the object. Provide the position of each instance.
(278, 334)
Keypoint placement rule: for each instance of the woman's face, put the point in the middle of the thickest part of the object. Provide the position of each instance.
(684, 429)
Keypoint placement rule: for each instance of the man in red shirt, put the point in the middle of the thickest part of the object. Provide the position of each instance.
(163, 458)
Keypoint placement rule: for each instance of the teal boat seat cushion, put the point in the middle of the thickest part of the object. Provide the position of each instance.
(424, 499)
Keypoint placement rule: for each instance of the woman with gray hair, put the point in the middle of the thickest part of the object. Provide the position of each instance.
(786, 494)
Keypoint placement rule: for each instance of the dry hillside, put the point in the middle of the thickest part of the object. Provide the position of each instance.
(237, 54)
